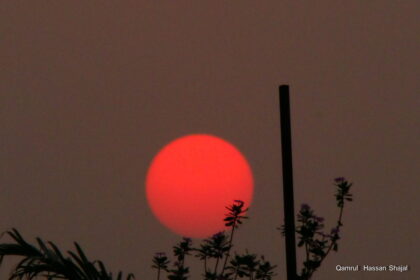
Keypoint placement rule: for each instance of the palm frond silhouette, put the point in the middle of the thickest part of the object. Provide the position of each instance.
(48, 261)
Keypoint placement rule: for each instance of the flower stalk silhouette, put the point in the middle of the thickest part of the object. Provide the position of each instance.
(317, 243)
(160, 262)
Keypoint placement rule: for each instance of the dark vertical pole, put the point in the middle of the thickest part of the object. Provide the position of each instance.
(289, 212)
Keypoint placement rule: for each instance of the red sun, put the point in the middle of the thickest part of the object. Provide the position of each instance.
(191, 181)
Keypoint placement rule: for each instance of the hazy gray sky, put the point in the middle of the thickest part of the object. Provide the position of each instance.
(91, 90)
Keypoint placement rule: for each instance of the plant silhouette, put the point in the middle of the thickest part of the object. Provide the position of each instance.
(46, 260)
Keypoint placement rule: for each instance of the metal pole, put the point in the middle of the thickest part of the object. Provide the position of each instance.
(289, 213)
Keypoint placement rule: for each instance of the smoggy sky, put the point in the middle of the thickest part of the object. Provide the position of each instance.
(91, 90)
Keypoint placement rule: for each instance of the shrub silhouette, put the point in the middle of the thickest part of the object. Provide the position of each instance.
(217, 250)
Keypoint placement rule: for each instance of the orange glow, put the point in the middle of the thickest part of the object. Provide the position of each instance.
(191, 181)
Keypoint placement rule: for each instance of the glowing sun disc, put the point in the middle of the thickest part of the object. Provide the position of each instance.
(191, 181)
